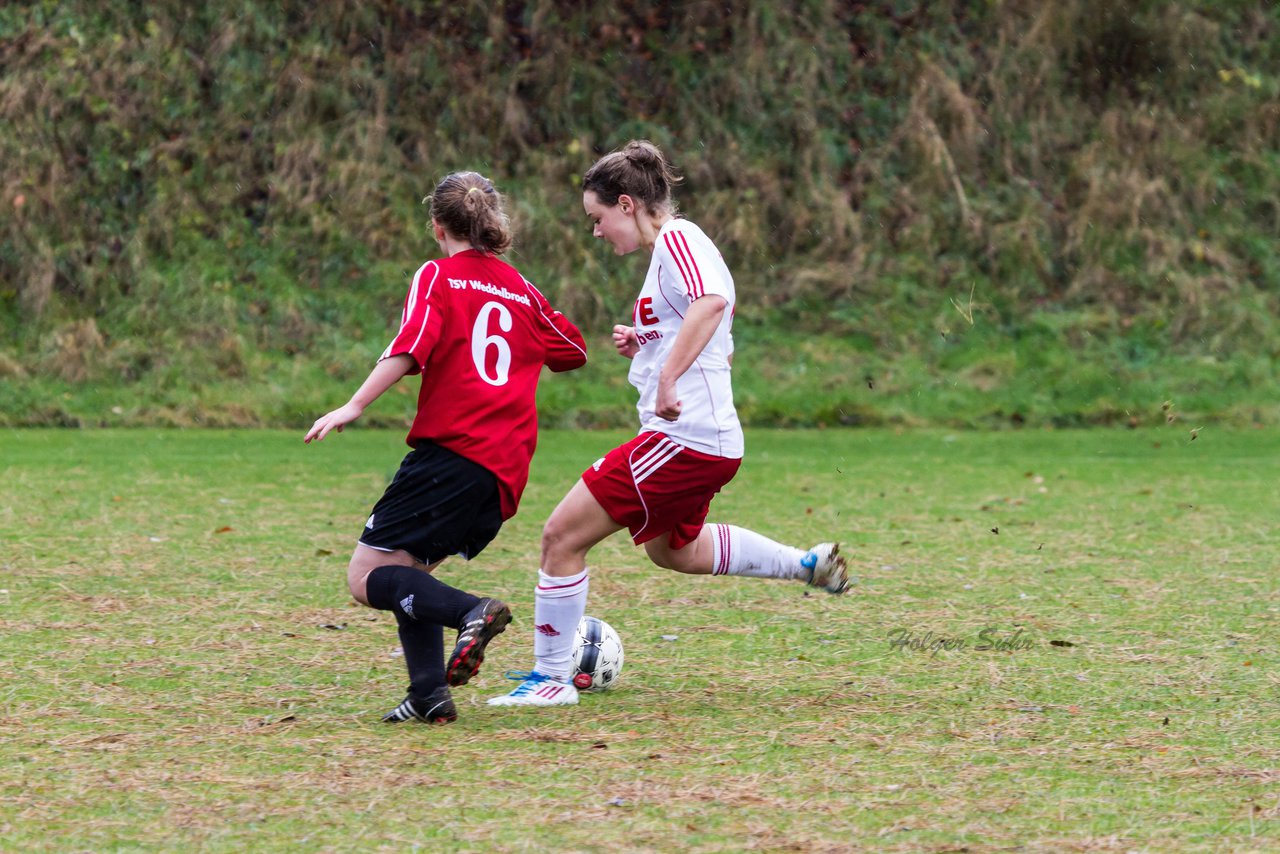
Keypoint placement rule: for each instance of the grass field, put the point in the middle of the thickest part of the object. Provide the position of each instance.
(182, 667)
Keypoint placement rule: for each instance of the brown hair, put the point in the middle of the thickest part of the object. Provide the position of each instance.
(639, 170)
(469, 208)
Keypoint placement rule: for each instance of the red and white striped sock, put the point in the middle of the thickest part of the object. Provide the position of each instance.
(558, 606)
(742, 552)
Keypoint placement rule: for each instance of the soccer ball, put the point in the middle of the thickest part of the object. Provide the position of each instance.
(597, 655)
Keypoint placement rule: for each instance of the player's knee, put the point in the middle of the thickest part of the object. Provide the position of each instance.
(357, 578)
(667, 561)
(553, 540)
(664, 558)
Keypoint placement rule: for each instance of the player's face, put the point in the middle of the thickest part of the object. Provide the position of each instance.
(613, 223)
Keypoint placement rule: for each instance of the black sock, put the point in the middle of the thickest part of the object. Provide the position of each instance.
(422, 605)
(412, 593)
(423, 645)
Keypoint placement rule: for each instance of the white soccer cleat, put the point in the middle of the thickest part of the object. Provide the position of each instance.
(826, 568)
(537, 689)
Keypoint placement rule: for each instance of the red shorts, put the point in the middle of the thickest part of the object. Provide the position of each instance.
(653, 486)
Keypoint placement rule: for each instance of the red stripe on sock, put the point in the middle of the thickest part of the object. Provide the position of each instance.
(581, 580)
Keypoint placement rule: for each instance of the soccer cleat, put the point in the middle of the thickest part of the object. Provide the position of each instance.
(537, 689)
(437, 708)
(826, 568)
(479, 626)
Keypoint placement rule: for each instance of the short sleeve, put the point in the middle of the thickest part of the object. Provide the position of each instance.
(564, 346)
(692, 261)
(421, 320)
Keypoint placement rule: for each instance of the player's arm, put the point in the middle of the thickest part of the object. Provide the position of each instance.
(420, 325)
(699, 325)
(384, 375)
(566, 349)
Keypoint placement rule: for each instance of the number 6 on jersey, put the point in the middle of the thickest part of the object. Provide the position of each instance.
(481, 341)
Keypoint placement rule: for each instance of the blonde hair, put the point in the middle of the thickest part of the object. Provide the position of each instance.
(469, 208)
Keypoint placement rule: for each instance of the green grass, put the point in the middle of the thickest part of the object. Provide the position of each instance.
(959, 376)
(183, 668)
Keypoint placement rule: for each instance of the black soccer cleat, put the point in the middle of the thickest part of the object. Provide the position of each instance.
(481, 625)
(437, 708)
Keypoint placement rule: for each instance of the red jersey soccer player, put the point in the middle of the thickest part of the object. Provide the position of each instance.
(660, 484)
(480, 334)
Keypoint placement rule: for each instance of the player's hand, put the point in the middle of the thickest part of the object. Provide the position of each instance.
(624, 338)
(667, 406)
(335, 420)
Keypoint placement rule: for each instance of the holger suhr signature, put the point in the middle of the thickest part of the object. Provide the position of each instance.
(989, 638)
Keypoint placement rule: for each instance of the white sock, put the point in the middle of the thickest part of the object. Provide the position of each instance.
(742, 552)
(558, 606)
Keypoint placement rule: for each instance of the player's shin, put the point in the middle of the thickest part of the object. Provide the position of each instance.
(418, 595)
(423, 647)
(739, 551)
(559, 604)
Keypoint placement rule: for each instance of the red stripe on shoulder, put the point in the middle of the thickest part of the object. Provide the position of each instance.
(674, 248)
(693, 264)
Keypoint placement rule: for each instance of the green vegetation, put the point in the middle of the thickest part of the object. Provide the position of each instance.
(960, 213)
(183, 668)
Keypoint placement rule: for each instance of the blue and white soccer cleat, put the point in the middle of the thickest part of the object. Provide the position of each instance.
(826, 568)
(536, 689)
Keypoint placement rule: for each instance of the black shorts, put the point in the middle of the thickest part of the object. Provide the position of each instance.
(438, 504)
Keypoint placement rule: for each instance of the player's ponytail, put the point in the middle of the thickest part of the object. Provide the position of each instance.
(640, 170)
(470, 209)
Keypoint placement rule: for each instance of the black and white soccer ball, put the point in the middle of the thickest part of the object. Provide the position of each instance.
(597, 655)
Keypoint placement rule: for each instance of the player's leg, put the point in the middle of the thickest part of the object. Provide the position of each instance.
(560, 598)
(693, 558)
(422, 605)
(720, 549)
(577, 524)
(439, 504)
(372, 576)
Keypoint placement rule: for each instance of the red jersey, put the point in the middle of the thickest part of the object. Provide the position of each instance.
(479, 333)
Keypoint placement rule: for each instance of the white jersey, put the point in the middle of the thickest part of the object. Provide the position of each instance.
(685, 266)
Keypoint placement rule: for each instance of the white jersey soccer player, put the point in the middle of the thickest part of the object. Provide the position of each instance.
(685, 266)
(660, 484)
